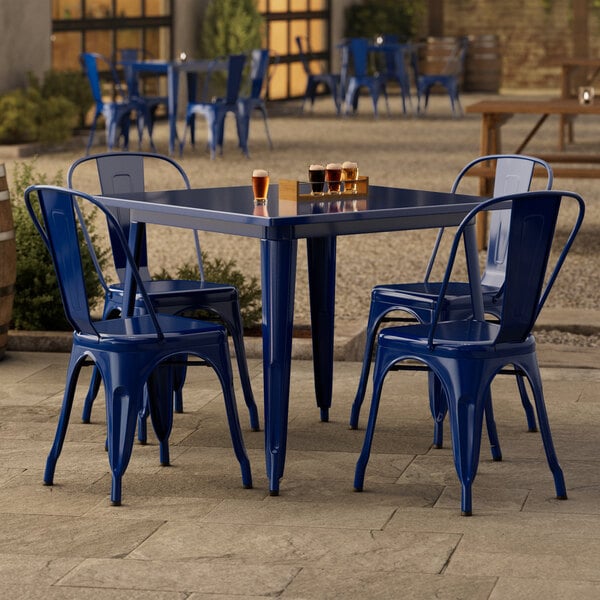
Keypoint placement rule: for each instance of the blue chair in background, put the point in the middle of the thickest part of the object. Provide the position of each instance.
(396, 59)
(125, 172)
(355, 76)
(513, 173)
(465, 355)
(449, 77)
(147, 104)
(258, 80)
(116, 112)
(132, 353)
(331, 81)
(215, 110)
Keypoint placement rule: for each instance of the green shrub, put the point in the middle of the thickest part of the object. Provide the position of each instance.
(373, 17)
(230, 27)
(72, 85)
(29, 115)
(225, 272)
(37, 304)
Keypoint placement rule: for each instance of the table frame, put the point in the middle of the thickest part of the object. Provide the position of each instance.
(399, 210)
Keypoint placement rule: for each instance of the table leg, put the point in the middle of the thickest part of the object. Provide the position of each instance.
(278, 275)
(172, 98)
(321, 254)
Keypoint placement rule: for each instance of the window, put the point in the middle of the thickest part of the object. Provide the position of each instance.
(105, 25)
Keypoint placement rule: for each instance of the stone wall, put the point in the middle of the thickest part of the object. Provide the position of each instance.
(530, 37)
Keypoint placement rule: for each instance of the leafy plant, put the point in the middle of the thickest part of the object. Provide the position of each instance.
(37, 304)
(370, 18)
(28, 115)
(231, 27)
(225, 272)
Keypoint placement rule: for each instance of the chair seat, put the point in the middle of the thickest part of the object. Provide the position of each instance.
(177, 291)
(471, 338)
(424, 295)
(140, 326)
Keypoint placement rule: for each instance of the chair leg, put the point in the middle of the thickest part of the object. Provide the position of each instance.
(94, 388)
(529, 412)
(439, 407)
(376, 313)
(63, 420)
(379, 372)
(544, 425)
(160, 397)
(123, 404)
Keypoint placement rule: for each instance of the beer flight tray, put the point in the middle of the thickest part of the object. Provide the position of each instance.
(292, 189)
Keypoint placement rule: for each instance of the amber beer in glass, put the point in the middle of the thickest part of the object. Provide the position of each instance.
(333, 176)
(350, 175)
(316, 176)
(260, 185)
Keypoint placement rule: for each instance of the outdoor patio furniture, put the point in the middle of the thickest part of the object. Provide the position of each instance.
(132, 352)
(214, 110)
(449, 77)
(126, 172)
(259, 68)
(466, 355)
(117, 112)
(331, 81)
(355, 76)
(512, 174)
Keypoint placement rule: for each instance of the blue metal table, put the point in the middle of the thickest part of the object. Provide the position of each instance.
(172, 69)
(231, 210)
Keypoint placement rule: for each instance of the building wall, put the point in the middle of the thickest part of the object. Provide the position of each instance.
(530, 37)
(25, 41)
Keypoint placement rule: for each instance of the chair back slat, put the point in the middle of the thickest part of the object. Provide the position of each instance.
(532, 226)
(118, 173)
(234, 77)
(61, 224)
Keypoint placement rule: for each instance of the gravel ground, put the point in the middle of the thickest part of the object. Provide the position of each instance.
(398, 150)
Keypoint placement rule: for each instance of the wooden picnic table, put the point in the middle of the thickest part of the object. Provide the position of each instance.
(496, 113)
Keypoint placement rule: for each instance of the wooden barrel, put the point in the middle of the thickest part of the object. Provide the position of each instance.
(8, 261)
(483, 68)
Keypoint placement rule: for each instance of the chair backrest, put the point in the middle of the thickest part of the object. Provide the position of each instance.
(90, 63)
(533, 218)
(235, 70)
(304, 51)
(125, 172)
(456, 61)
(359, 52)
(59, 224)
(513, 174)
(259, 67)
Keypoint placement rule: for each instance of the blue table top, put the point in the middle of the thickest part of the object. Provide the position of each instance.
(232, 210)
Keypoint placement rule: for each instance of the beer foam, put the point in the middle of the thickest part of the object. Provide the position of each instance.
(259, 173)
(334, 166)
(316, 168)
(349, 165)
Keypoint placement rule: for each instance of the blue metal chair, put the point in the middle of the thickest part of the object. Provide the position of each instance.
(331, 81)
(117, 112)
(259, 67)
(215, 111)
(125, 172)
(449, 78)
(465, 355)
(513, 174)
(356, 52)
(131, 352)
(396, 57)
(147, 105)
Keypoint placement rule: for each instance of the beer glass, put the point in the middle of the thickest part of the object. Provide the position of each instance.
(316, 176)
(260, 185)
(333, 177)
(350, 174)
